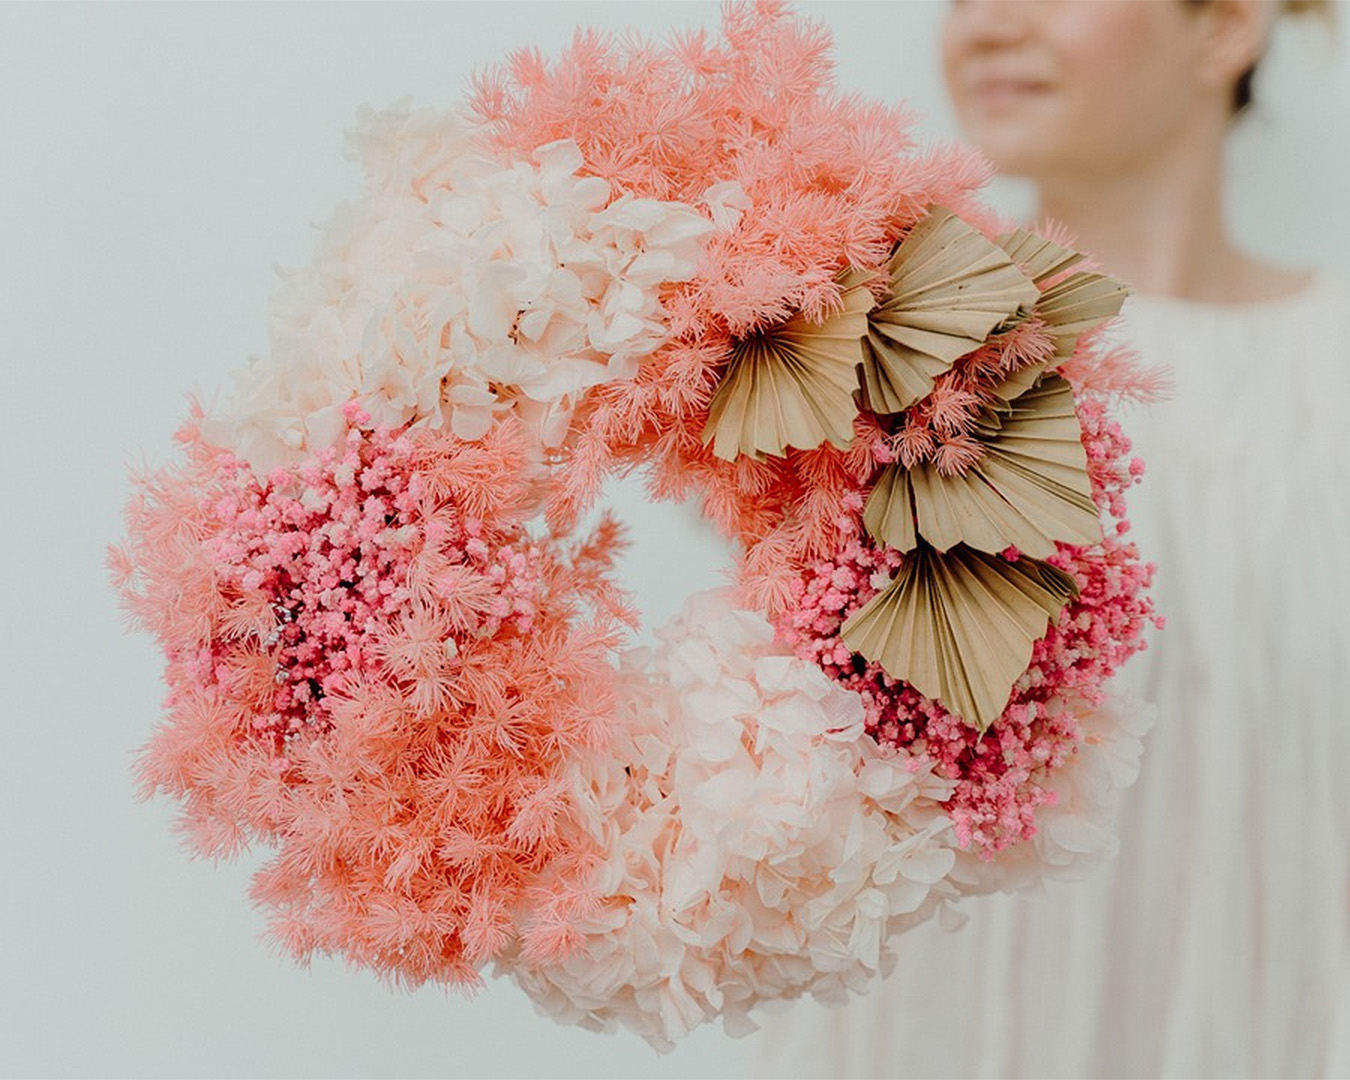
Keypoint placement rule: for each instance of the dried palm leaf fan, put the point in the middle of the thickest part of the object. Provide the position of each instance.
(959, 622)
(793, 384)
(960, 625)
(949, 288)
(1069, 307)
(1029, 489)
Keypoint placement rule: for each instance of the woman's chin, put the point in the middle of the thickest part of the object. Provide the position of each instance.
(1018, 152)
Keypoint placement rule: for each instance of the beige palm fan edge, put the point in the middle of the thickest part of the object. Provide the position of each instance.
(1015, 384)
(888, 514)
(950, 287)
(792, 384)
(1079, 303)
(1029, 490)
(893, 376)
(1072, 305)
(959, 626)
(1039, 258)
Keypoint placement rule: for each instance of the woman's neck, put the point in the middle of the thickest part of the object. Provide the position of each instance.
(1160, 227)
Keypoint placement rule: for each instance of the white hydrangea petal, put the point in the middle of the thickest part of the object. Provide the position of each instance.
(727, 202)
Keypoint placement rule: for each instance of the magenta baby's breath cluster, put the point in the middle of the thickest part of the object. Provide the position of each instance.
(394, 665)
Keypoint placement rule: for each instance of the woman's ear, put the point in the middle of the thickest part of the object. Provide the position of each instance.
(1234, 34)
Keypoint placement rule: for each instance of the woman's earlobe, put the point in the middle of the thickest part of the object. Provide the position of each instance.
(1236, 33)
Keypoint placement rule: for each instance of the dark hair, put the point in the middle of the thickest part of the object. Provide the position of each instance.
(1242, 90)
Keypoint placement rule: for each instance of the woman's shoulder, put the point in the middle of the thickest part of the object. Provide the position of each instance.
(1332, 286)
(1213, 353)
(1319, 299)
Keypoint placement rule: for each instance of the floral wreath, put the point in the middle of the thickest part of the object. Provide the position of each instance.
(391, 657)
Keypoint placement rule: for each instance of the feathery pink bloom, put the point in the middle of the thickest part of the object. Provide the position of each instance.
(375, 670)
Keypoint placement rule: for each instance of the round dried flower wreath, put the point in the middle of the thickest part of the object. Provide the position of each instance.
(392, 661)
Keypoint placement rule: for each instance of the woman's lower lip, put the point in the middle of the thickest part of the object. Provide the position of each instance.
(1003, 94)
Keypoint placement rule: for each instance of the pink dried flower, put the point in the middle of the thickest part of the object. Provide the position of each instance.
(827, 180)
(375, 670)
(1002, 774)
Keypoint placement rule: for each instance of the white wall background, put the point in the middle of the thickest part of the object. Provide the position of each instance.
(155, 161)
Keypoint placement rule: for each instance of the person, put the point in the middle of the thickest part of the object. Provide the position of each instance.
(1217, 943)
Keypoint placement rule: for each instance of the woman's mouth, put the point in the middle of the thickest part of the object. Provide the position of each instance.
(1003, 92)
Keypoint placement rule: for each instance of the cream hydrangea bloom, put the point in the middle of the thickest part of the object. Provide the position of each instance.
(459, 288)
(761, 845)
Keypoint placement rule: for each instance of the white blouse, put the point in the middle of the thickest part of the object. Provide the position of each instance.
(1218, 942)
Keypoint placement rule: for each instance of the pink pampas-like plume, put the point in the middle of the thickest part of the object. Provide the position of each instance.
(823, 179)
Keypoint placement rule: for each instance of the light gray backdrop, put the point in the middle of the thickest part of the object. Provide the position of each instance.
(155, 162)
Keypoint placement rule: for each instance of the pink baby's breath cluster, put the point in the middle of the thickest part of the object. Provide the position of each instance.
(1003, 774)
(329, 551)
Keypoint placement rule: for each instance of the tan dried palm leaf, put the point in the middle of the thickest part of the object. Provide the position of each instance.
(960, 626)
(1069, 307)
(1016, 384)
(889, 513)
(1029, 490)
(1041, 429)
(1079, 303)
(1039, 258)
(894, 377)
(792, 384)
(949, 288)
